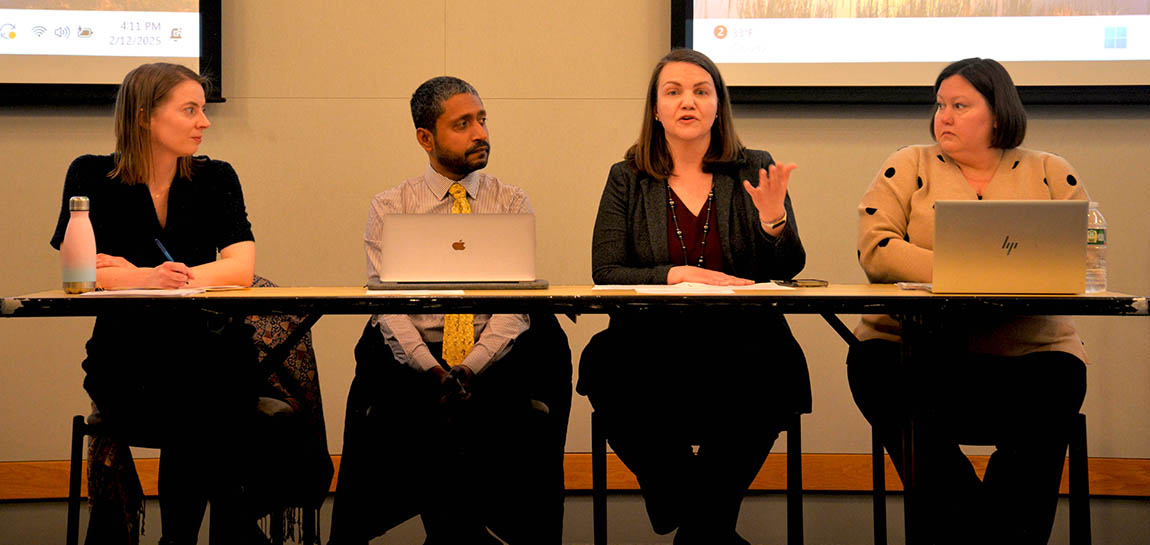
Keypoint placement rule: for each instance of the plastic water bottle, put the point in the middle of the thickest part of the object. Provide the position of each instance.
(1095, 250)
(78, 250)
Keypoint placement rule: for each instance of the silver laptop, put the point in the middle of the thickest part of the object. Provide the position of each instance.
(458, 248)
(1009, 247)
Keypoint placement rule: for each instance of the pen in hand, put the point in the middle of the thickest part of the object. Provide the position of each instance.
(163, 250)
(168, 257)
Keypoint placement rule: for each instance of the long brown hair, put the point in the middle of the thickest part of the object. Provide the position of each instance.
(650, 153)
(143, 89)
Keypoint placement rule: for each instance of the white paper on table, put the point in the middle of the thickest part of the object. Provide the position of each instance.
(682, 288)
(688, 288)
(180, 292)
(763, 286)
(407, 293)
(691, 288)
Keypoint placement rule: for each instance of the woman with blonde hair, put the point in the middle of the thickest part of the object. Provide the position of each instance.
(165, 218)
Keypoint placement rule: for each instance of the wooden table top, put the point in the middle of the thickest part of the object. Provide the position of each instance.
(835, 298)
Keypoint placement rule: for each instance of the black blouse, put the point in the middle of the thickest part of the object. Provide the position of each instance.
(205, 213)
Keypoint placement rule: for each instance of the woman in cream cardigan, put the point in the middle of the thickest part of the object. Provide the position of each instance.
(1015, 379)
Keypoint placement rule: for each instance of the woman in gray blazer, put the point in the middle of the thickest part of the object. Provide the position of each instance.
(682, 207)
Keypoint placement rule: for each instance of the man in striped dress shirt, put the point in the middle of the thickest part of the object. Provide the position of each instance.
(471, 438)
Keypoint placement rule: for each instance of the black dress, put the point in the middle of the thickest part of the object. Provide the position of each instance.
(132, 355)
(187, 380)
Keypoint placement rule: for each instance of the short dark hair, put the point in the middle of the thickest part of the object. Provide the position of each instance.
(650, 154)
(993, 82)
(427, 100)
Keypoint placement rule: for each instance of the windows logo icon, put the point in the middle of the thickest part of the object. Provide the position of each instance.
(1115, 37)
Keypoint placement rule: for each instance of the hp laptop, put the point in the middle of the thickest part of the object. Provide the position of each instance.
(1025, 247)
(458, 251)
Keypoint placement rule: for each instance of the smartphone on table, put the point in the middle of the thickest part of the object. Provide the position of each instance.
(803, 283)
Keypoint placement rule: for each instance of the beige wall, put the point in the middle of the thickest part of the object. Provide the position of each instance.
(316, 123)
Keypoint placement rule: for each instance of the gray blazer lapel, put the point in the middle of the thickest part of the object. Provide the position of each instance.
(654, 193)
(724, 193)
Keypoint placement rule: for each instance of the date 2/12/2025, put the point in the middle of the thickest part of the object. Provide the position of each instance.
(130, 41)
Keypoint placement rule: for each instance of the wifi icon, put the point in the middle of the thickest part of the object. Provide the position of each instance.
(39, 30)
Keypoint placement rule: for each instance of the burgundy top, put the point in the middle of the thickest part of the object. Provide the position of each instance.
(692, 227)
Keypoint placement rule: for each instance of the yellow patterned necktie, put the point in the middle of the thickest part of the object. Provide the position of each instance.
(458, 329)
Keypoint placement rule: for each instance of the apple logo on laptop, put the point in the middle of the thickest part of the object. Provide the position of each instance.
(458, 245)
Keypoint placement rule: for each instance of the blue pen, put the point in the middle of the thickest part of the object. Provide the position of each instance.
(160, 245)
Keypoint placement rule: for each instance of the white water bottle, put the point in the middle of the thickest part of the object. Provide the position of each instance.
(78, 250)
(1095, 250)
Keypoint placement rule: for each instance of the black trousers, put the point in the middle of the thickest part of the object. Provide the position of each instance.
(665, 383)
(188, 382)
(1022, 405)
(494, 461)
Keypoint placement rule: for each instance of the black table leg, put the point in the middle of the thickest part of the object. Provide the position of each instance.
(1079, 484)
(598, 480)
(913, 332)
(795, 482)
(878, 482)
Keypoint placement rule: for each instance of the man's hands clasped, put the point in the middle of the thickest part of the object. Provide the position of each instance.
(454, 385)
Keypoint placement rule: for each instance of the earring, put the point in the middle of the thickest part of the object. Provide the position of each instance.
(656, 117)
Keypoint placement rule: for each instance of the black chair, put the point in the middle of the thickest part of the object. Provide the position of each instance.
(93, 426)
(1079, 476)
(794, 480)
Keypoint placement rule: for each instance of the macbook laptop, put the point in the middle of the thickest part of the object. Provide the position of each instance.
(457, 251)
(1009, 247)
